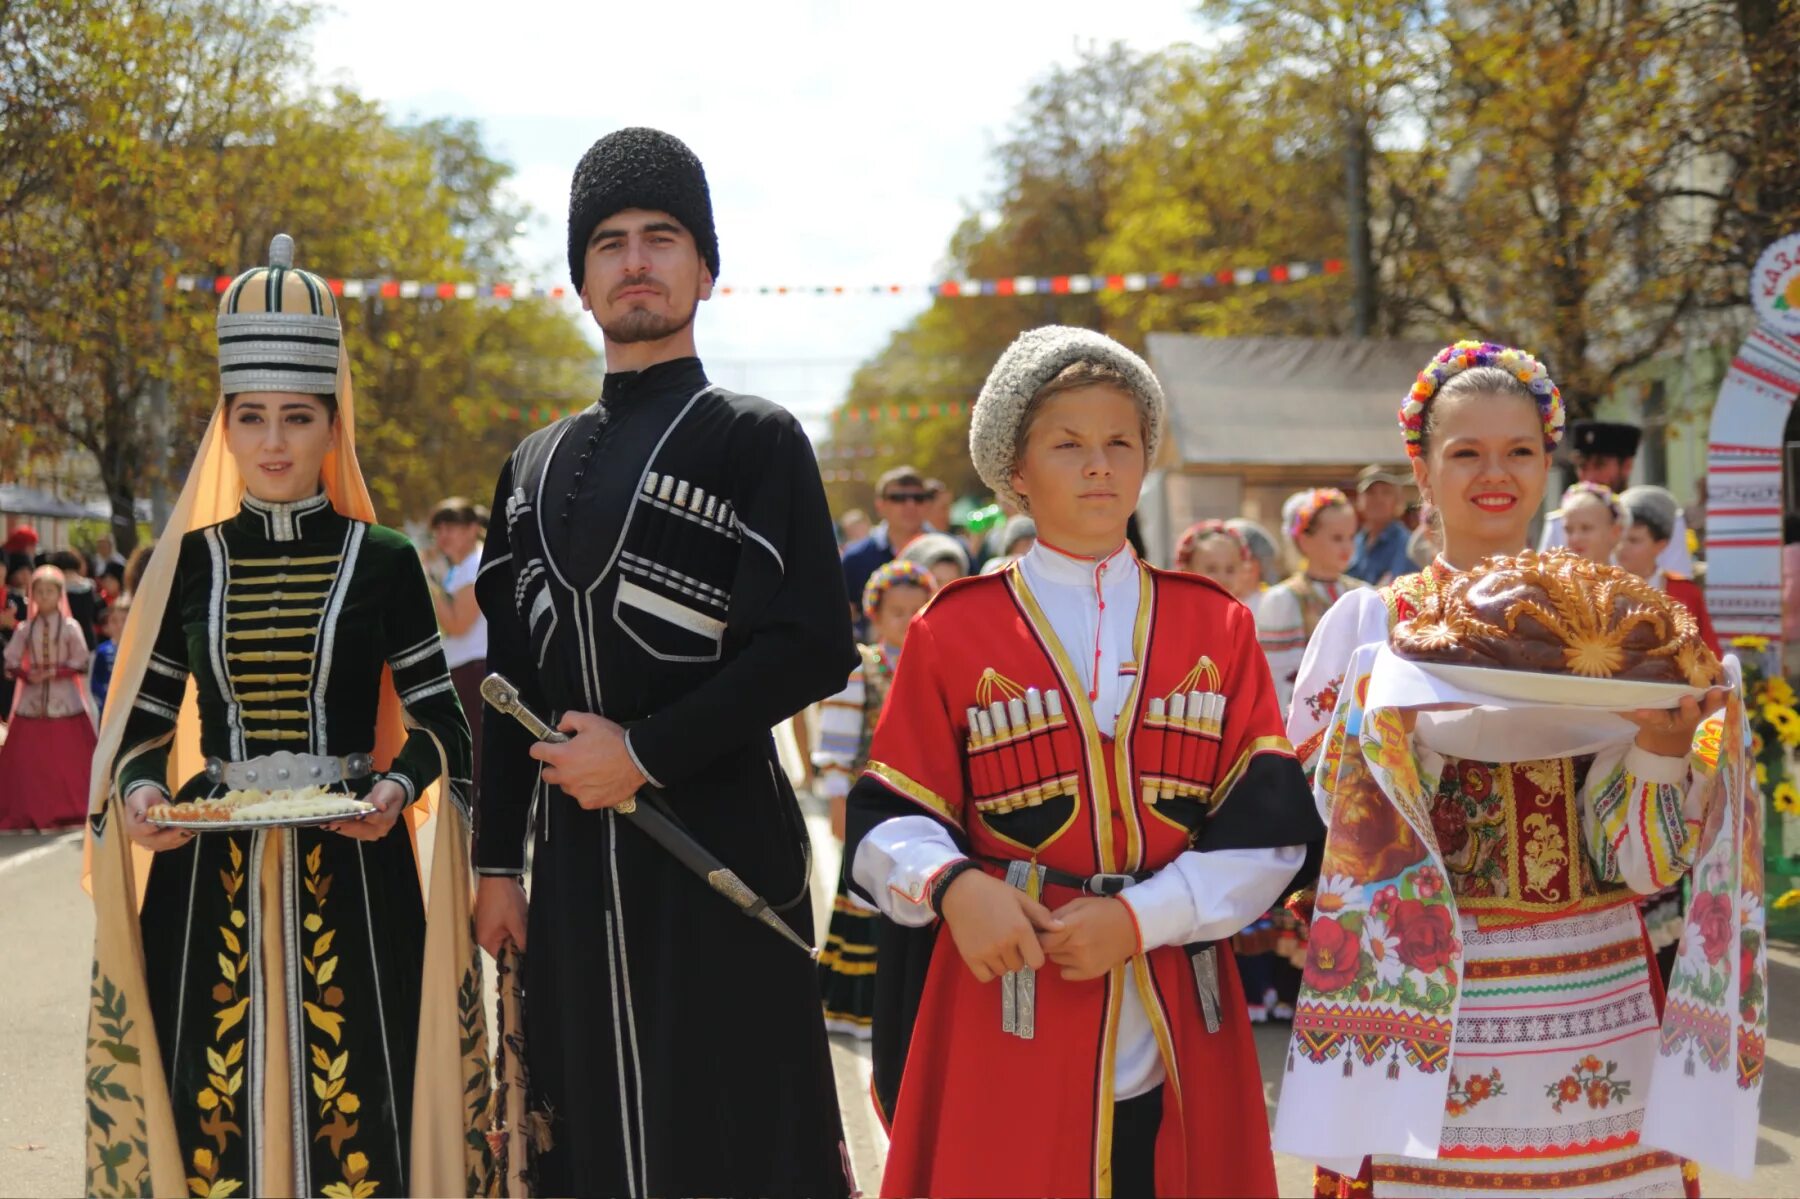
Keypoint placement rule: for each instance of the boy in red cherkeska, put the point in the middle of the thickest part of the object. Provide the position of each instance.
(1082, 773)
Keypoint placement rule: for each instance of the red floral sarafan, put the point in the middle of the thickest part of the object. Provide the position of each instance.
(1712, 912)
(1333, 957)
(1427, 934)
(1450, 824)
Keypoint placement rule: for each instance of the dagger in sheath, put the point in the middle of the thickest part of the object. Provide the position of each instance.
(500, 693)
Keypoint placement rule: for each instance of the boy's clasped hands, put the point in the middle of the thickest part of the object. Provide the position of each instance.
(998, 929)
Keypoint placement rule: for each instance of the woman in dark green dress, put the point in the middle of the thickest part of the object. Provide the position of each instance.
(284, 970)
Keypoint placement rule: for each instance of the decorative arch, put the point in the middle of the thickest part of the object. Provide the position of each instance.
(1744, 457)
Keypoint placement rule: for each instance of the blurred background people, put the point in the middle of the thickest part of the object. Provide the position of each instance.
(893, 596)
(50, 738)
(853, 526)
(1379, 556)
(1266, 568)
(1593, 521)
(902, 501)
(939, 553)
(1652, 512)
(456, 532)
(1321, 526)
(1214, 550)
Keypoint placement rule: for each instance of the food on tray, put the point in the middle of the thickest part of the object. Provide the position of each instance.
(1558, 613)
(273, 807)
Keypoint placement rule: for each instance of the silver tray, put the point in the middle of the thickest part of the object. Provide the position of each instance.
(240, 826)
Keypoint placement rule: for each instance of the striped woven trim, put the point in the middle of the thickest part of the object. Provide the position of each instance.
(261, 351)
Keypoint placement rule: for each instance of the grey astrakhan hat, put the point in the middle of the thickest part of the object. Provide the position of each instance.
(1035, 358)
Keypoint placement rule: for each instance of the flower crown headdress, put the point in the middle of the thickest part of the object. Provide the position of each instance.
(1307, 506)
(1210, 528)
(1599, 491)
(899, 572)
(1453, 360)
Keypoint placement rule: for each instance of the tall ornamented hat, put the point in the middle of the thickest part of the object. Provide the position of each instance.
(278, 329)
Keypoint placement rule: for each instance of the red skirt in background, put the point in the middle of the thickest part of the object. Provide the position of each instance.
(44, 767)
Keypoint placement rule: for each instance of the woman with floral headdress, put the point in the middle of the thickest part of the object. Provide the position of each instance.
(1079, 776)
(49, 734)
(281, 1017)
(893, 595)
(1321, 526)
(1480, 1009)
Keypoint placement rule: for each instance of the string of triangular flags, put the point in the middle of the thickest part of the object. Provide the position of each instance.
(1017, 285)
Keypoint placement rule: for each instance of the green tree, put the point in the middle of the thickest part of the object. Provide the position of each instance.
(182, 136)
(1060, 169)
(1560, 209)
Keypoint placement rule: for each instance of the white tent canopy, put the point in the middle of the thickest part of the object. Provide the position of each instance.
(1292, 401)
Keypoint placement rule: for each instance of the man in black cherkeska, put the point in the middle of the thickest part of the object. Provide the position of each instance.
(661, 579)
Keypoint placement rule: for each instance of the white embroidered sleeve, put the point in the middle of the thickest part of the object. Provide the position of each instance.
(1209, 896)
(1358, 619)
(1641, 814)
(897, 862)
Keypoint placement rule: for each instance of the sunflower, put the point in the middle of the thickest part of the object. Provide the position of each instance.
(1787, 899)
(1777, 691)
(1787, 798)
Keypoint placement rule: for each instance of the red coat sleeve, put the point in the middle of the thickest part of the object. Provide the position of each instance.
(919, 746)
(1261, 798)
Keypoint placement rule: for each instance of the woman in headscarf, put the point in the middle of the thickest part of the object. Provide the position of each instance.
(50, 736)
(282, 1018)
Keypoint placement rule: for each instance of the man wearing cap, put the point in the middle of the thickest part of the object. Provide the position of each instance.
(1382, 538)
(1604, 452)
(661, 581)
(902, 499)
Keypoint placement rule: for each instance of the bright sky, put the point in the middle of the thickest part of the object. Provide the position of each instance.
(843, 140)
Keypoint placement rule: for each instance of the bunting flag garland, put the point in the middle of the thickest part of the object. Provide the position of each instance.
(1021, 285)
(543, 414)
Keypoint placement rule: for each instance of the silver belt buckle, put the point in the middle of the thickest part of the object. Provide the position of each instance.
(284, 769)
(1107, 884)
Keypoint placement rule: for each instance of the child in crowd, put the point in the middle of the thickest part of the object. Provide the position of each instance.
(50, 736)
(891, 598)
(112, 627)
(1593, 521)
(1321, 526)
(1214, 550)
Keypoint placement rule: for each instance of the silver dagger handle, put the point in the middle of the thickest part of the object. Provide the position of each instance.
(500, 693)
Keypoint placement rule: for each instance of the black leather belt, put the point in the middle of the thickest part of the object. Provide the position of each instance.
(1087, 884)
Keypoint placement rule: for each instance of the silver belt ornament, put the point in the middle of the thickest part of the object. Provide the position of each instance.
(1018, 988)
(279, 771)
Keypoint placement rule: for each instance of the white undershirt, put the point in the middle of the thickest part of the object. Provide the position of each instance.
(1197, 897)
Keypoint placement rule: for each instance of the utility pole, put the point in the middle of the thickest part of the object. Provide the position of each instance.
(156, 422)
(1362, 259)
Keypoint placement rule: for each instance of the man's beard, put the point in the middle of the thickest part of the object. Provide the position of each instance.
(640, 325)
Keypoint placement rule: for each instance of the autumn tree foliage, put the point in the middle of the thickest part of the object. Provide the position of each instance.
(1588, 178)
(141, 139)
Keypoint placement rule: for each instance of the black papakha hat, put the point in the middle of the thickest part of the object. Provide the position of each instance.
(640, 168)
(1603, 439)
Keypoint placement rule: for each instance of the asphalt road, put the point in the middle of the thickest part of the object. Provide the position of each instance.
(46, 940)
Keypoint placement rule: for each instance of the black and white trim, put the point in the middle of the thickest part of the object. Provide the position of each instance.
(281, 521)
(334, 607)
